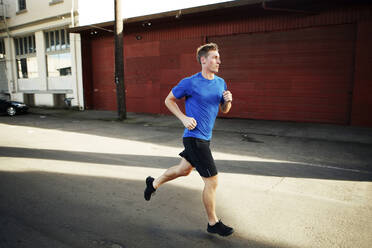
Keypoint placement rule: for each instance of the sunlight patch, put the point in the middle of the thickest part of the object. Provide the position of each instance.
(79, 142)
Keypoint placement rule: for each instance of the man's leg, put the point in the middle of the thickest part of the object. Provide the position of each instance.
(184, 168)
(209, 198)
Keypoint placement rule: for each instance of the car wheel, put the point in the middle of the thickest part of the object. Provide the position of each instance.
(11, 111)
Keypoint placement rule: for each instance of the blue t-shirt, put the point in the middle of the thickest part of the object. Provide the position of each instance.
(203, 97)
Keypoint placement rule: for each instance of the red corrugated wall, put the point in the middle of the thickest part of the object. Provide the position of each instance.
(152, 68)
(166, 53)
(362, 97)
(298, 75)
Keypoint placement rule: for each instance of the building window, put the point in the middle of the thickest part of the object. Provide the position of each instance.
(25, 45)
(2, 49)
(52, 2)
(27, 67)
(26, 57)
(58, 53)
(59, 64)
(21, 5)
(57, 40)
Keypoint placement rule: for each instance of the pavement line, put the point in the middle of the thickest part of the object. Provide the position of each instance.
(337, 168)
(307, 164)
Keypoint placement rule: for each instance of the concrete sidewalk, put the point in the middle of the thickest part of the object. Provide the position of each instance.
(64, 171)
(327, 132)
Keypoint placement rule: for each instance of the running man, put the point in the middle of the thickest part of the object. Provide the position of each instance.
(205, 93)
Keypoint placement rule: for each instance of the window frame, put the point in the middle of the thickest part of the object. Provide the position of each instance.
(29, 75)
(2, 49)
(53, 2)
(56, 33)
(53, 46)
(25, 48)
(23, 42)
(22, 6)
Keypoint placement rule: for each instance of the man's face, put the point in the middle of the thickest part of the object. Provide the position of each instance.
(211, 62)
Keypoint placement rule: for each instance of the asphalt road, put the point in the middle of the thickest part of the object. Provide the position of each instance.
(79, 183)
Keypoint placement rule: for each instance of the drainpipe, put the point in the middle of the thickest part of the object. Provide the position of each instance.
(72, 14)
(12, 89)
(74, 56)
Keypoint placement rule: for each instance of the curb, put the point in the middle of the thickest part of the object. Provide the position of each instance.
(245, 127)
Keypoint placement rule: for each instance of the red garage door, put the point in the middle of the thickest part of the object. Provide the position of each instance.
(301, 75)
(103, 95)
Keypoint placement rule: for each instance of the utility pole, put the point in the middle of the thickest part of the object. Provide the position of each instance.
(119, 62)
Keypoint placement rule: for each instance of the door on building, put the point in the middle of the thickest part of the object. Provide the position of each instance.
(300, 75)
(102, 92)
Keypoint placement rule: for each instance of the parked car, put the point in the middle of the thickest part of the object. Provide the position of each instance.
(12, 107)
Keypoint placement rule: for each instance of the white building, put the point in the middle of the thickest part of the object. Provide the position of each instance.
(40, 62)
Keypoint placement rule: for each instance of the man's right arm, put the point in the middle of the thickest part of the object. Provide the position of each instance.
(170, 102)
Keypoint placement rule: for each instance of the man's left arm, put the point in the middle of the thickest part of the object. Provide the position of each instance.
(226, 106)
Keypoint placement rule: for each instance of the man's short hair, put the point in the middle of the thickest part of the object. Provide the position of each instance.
(203, 50)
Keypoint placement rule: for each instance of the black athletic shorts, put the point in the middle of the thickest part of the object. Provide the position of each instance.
(198, 154)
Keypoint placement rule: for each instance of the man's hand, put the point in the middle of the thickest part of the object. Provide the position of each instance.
(226, 106)
(189, 122)
(227, 96)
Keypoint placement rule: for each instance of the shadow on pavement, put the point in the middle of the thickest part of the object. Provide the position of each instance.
(39, 209)
(296, 170)
(346, 155)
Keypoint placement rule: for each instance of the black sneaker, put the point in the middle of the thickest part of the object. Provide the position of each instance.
(220, 229)
(149, 190)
